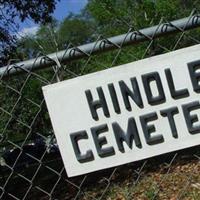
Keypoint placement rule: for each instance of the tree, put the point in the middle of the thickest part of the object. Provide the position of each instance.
(114, 17)
(106, 18)
(75, 30)
(12, 10)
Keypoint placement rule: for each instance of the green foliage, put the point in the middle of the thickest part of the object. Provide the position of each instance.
(107, 18)
(74, 30)
(12, 11)
(103, 18)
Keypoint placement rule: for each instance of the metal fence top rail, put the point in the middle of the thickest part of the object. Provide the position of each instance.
(102, 45)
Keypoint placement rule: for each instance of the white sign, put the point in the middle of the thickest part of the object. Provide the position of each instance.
(127, 113)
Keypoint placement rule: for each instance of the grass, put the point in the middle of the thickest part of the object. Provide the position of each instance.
(166, 177)
(158, 180)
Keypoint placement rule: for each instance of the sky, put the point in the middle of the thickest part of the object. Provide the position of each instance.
(63, 8)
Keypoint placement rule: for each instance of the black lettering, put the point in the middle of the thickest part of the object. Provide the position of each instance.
(128, 137)
(191, 119)
(135, 94)
(176, 94)
(114, 98)
(94, 105)
(169, 113)
(75, 137)
(147, 79)
(100, 141)
(194, 76)
(148, 129)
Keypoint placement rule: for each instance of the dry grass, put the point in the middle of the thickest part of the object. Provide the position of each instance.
(158, 180)
(167, 177)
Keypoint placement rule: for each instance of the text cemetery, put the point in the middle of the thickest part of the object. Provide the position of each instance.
(127, 113)
(133, 94)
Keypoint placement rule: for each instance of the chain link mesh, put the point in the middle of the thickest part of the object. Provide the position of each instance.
(31, 165)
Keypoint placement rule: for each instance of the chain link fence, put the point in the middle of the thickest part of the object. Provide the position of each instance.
(31, 165)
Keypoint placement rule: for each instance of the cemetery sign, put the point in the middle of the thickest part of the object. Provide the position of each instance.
(127, 113)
